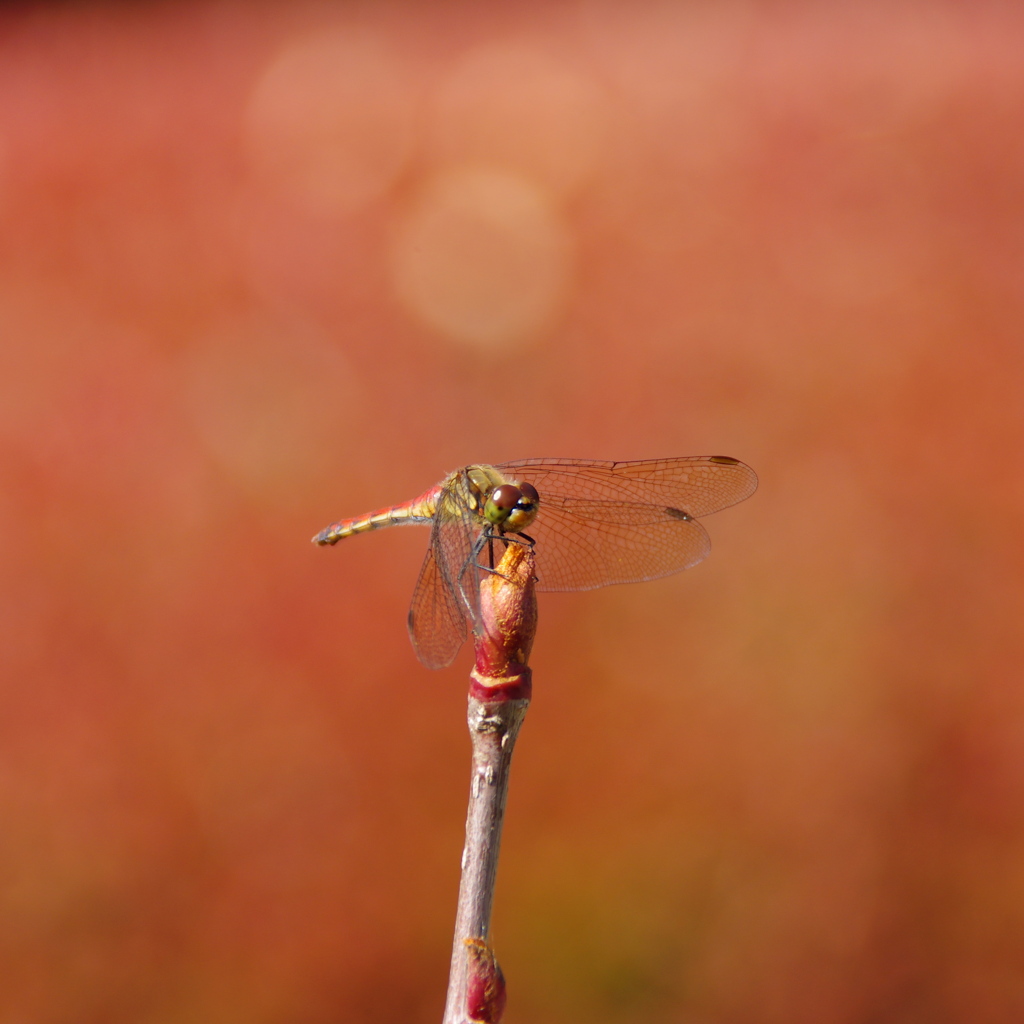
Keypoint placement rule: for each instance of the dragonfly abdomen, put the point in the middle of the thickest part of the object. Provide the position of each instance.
(414, 512)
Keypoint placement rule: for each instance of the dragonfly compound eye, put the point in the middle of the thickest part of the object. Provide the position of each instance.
(530, 495)
(525, 511)
(500, 504)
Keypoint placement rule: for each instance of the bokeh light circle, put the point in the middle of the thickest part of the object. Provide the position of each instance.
(484, 259)
(331, 121)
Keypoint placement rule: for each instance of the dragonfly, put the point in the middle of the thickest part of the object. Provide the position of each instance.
(590, 524)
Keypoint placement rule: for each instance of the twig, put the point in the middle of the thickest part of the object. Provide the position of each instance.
(499, 695)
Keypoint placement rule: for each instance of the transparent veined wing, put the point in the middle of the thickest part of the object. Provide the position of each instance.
(624, 522)
(453, 540)
(437, 621)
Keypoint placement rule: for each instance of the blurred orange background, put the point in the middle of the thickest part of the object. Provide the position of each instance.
(266, 265)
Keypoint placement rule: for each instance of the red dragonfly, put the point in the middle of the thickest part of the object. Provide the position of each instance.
(591, 523)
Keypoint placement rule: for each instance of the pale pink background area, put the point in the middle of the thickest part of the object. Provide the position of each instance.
(266, 265)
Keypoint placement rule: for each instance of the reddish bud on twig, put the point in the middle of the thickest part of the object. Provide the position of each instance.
(485, 984)
(508, 621)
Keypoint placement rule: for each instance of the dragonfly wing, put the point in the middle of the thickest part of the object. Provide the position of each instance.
(437, 623)
(580, 547)
(453, 541)
(696, 484)
(623, 522)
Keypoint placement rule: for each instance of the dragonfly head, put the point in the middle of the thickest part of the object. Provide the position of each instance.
(512, 507)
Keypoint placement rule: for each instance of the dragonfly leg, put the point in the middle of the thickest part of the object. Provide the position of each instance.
(492, 572)
(487, 540)
(518, 538)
